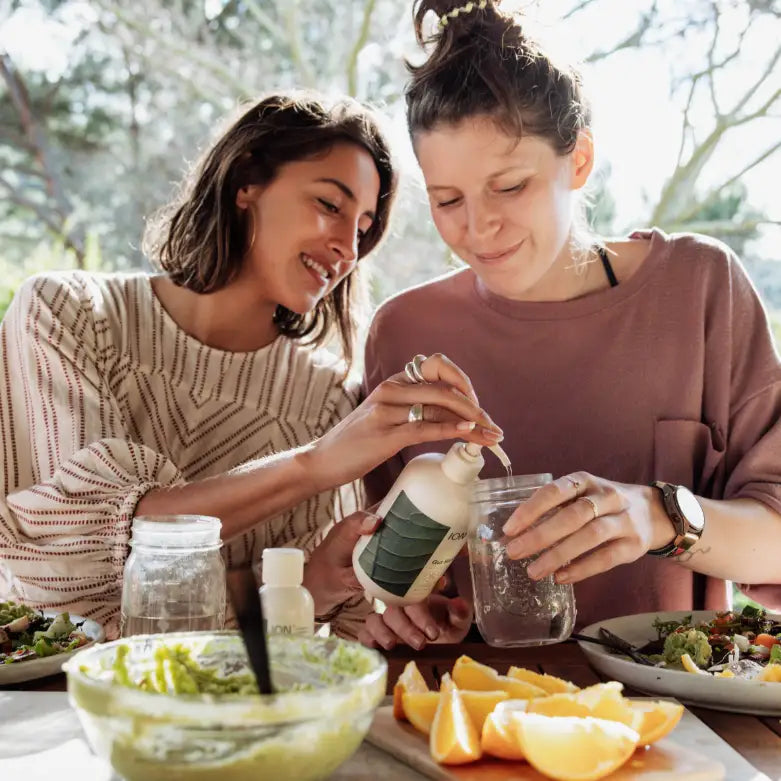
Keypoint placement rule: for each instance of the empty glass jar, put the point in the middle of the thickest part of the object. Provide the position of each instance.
(511, 609)
(174, 578)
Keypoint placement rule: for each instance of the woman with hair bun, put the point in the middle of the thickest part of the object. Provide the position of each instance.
(640, 371)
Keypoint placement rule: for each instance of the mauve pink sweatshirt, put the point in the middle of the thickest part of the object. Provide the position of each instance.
(672, 375)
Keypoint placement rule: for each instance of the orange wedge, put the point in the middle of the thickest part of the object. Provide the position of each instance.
(480, 704)
(410, 680)
(454, 739)
(573, 749)
(469, 674)
(602, 701)
(420, 707)
(659, 718)
(498, 735)
(549, 683)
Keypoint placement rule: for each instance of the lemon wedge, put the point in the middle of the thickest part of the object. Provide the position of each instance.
(690, 666)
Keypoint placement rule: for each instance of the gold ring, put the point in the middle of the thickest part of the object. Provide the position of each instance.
(593, 504)
(415, 414)
(575, 484)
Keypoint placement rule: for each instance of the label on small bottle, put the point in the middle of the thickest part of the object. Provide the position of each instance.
(285, 629)
(403, 545)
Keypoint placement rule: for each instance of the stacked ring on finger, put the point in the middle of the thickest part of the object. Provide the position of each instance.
(415, 414)
(593, 504)
(413, 369)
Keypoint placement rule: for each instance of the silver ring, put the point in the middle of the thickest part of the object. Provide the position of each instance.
(593, 504)
(417, 371)
(415, 414)
(409, 370)
(575, 484)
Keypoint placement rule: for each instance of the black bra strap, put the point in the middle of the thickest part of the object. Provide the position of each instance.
(611, 277)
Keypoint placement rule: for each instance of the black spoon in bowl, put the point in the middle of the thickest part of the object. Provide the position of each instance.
(250, 617)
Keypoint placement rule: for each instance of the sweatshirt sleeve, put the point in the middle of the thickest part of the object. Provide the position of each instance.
(753, 446)
(72, 475)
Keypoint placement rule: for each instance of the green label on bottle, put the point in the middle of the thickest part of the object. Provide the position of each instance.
(401, 546)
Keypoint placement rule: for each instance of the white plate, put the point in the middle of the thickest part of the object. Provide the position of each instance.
(16, 672)
(760, 698)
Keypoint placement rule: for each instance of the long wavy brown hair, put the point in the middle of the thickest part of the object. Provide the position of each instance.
(199, 238)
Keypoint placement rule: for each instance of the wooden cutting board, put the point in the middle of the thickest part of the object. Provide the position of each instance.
(667, 760)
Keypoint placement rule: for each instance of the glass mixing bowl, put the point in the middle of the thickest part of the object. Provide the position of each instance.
(329, 690)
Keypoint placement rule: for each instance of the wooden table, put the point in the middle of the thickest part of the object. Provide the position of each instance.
(757, 739)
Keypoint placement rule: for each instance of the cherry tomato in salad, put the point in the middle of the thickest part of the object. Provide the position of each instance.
(767, 640)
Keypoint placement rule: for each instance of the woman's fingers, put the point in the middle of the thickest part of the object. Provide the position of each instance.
(579, 514)
(559, 492)
(402, 396)
(602, 559)
(581, 542)
(439, 368)
(421, 617)
(397, 620)
(376, 632)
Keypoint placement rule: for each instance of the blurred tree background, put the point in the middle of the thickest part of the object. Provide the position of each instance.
(104, 103)
(101, 115)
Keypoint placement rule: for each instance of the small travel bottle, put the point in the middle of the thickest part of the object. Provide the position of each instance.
(425, 522)
(288, 608)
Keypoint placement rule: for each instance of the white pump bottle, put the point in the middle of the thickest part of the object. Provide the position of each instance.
(425, 520)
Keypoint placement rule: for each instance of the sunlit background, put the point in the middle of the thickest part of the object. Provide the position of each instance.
(104, 103)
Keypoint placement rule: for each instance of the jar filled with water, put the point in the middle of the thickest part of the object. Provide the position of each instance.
(174, 578)
(511, 609)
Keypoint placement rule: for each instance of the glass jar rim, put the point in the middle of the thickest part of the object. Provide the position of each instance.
(176, 531)
(505, 489)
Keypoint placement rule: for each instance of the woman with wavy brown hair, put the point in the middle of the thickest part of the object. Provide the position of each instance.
(205, 389)
(640, 371)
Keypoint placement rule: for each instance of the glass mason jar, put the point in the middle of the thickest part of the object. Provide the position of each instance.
(511, 609)
(174, 577)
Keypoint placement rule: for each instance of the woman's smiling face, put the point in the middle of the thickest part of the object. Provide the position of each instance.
(504, 206)
(305, 225)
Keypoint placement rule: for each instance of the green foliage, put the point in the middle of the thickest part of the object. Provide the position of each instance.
(50, 256)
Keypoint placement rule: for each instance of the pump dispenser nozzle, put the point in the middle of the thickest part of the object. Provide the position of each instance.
(474, 450)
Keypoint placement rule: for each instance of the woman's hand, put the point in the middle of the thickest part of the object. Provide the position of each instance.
(438, 619)
(586, 525)
(329, 575)
(380, 427)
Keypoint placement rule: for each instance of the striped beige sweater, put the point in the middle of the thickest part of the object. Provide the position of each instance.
(102, 398)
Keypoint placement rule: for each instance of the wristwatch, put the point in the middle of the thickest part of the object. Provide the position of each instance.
(686, 515)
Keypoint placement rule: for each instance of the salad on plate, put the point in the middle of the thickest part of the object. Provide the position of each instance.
(743, 645)
(27, 634)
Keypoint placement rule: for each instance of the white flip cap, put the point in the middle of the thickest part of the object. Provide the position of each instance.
(283, 566)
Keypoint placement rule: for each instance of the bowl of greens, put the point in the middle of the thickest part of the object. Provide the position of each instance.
(36, 643)
(185, 706)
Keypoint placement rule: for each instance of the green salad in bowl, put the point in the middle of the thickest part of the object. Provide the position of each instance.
(185, 707)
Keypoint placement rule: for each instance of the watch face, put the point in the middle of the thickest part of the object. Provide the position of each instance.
(690, 508)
